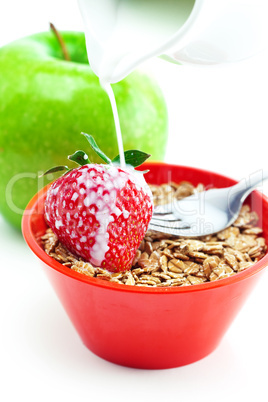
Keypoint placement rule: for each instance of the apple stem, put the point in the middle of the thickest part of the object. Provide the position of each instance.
(65, 52)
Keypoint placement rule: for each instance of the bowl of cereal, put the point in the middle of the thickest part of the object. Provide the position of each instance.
(181, 295)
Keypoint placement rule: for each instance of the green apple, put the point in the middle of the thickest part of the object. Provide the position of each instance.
(45, 104)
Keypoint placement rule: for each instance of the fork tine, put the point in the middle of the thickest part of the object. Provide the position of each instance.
(172, 224)
(160, 221)
(163, 209)
(165, 221)
(163, 213)
(166, 217)
(165, 229)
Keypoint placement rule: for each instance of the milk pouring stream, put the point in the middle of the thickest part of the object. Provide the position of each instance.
(107, 87)
(121, 34)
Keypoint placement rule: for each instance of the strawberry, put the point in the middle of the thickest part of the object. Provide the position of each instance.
(101, 212)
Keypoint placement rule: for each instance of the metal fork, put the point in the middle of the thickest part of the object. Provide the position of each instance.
(206, 212)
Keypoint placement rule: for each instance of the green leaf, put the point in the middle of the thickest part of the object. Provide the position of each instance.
(95, 148)
(133, 157)
(55, 169)
(79, 157)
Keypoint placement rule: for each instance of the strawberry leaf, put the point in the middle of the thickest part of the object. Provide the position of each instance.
(79, 157)
(95, 148)
(55, 169)
(133, 157)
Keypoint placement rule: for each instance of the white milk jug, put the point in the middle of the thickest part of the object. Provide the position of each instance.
(121, 34)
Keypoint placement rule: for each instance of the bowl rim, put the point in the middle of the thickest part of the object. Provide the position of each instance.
(49, 261)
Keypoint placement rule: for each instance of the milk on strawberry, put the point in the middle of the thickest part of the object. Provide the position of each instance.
(100, 213)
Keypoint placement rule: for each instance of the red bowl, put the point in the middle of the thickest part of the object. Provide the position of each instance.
(152, 328)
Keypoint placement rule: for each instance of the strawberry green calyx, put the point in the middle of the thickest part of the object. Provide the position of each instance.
(133, 158)
(80, 157)
(95, 148)
(55, 169)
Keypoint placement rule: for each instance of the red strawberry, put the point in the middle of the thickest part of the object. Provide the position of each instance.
(100, 213)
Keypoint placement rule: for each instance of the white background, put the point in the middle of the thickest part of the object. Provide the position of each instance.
(218, 121)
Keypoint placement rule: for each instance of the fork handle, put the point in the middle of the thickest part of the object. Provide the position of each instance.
(245, 186)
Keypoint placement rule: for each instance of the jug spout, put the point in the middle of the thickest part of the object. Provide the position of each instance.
(122, 34)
